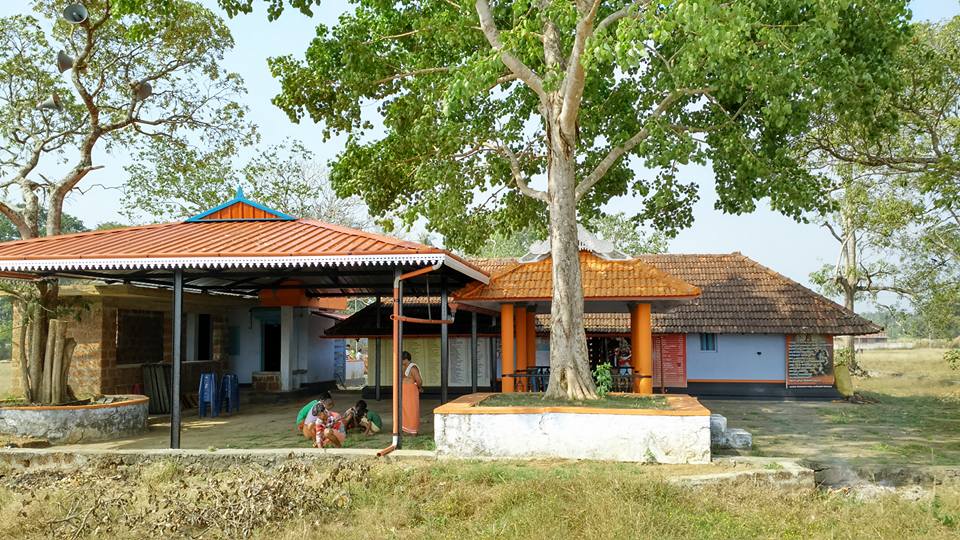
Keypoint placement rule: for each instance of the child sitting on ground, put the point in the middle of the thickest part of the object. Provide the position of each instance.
(329, 428)
(357, 417)
(307, 418)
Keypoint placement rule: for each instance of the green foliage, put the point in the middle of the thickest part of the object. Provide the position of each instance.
(603, 378)
(747, 78)
(625, 233)
(952, 358)
(181, 179)
(897, 188)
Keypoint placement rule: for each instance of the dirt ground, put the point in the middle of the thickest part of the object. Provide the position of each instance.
(915, 421)
(271, 426)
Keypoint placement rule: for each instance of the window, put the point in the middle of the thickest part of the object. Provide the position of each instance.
(708, 342)
(204, 337)
(139, 336)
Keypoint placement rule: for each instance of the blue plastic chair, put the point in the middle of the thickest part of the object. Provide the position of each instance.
(230, 392)
(208, 395)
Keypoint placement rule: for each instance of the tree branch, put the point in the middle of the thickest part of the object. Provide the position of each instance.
(575, 77)
(619, 14)
(518, 176)
(521, 70)
(618, 151)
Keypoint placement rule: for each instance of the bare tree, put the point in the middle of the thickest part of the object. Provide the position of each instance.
(132, 77)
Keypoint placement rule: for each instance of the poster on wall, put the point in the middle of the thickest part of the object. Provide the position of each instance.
(426, 354)
(809, 361)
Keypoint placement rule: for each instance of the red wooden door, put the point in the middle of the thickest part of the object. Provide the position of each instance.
(669, 361)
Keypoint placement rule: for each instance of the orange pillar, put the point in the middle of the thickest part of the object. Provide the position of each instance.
(531, 338)
(506, 347)
(641, 343)
(520, 322)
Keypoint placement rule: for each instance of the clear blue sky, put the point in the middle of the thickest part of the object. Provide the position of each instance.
(778, 242)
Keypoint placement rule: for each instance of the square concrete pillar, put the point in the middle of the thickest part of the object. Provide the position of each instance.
(287, 348)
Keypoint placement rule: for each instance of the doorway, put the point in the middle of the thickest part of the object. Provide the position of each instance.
(271, 346)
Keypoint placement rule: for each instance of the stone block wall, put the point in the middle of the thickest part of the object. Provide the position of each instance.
(94, 369)
(85, 373)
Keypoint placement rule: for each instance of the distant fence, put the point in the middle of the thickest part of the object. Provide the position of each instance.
(883, 345)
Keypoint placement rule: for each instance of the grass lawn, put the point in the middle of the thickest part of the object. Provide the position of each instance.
(382, 499)
(607, 402)
(915, 420)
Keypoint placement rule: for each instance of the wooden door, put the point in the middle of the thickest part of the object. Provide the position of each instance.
(669, 361)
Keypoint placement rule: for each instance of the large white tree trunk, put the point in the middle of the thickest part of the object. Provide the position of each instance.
(569, 365)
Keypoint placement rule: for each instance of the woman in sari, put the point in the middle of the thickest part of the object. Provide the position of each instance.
(412, 387)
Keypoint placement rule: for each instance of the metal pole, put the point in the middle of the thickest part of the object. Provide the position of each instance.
(473, 352)
(177, 358)
(444, 345)
(377, 354)
(398, 369)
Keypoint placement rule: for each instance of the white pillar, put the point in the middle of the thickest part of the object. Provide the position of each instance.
(287, 348)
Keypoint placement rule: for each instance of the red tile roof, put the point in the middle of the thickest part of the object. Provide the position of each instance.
(602, 279)
(302, 237)
(739, 295)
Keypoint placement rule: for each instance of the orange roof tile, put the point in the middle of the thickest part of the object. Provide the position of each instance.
(602, 279)
(302, 237)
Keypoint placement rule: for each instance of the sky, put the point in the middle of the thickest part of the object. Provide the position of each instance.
(791, 248)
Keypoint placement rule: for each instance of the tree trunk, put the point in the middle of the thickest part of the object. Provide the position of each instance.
(849, 279)
(59, 335)
(35, 355)
(569, 365)
(22, 308)
(68, 349)
(46, 379)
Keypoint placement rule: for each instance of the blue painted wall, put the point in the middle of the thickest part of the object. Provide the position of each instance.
(760, 357)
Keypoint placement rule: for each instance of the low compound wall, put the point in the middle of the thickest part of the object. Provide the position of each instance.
(77, 423)
(679, 433)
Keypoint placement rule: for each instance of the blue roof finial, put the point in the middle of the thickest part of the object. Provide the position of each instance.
(276, 215)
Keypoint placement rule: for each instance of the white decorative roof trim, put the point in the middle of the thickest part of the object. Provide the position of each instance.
(157, 263)
(588, 242)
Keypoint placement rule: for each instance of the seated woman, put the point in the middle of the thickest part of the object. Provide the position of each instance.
(329, 429)
(356, 418)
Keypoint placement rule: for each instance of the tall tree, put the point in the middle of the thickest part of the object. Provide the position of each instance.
(132, 77)
(897, 212)
(496, 114)
(181, 179)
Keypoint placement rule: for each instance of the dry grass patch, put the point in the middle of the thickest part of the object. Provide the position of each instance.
(380, 499)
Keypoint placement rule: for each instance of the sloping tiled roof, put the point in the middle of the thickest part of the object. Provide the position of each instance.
(212, 239)
(739, 295)
(601, 279)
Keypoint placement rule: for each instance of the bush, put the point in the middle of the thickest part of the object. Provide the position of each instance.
(952, 358)
(603, 377)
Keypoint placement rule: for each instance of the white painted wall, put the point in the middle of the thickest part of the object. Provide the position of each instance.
(320, 355)
(248, 331)
(306, 347)
(607, 437)
(749, 357)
